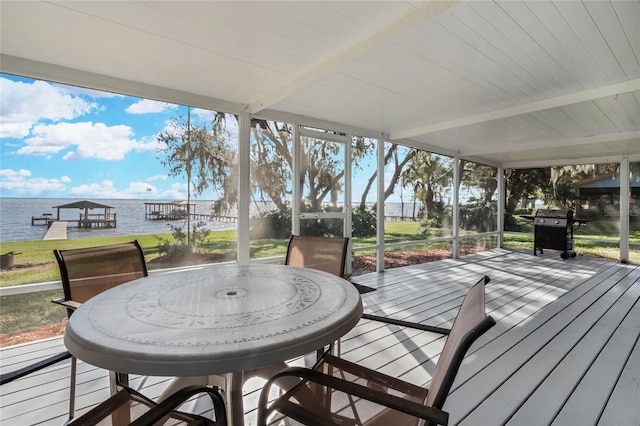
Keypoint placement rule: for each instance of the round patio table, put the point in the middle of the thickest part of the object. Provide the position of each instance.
(222, 319)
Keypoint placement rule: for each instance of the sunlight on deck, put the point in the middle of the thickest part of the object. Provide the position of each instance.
(564, 350)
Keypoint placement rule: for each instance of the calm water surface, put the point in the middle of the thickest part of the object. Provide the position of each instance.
(16, 213)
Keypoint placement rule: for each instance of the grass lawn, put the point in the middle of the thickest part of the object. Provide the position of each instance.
(36, 262)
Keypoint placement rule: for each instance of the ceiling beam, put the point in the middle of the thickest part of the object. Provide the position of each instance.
(560, 101)
(546, 143)
(415, 17)
(75, 77)
(561, 162)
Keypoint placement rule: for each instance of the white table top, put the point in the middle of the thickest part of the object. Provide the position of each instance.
(212, 320)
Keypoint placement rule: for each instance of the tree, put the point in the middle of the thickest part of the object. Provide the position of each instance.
(481, 182)
(272, 165)
(391, 154)
(271, 162)
(205, 156)
(430, 177)
(523, 184)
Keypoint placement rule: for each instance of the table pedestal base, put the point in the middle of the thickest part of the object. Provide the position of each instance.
(230, 383)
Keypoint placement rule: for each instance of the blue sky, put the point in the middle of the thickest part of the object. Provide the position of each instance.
(60, 141)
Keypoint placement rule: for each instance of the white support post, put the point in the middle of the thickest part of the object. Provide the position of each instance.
(244, 187)
(297, 191)
(456, 205)
(624, 209)
(501, 204)
(380, 206)
(348, 219)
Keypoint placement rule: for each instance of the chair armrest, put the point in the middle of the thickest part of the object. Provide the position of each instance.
(70, 304)
(400, 404)
(13, 375)
(178, 398)
(415, 325)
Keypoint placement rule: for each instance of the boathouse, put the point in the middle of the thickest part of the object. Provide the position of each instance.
(91, 215)
(168, 210)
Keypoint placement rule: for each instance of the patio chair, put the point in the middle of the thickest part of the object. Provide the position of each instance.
(323, 253)
(86, 272)
(32, 368)
(339, 392)
(128, 406)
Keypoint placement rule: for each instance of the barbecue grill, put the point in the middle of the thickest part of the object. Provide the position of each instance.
(554, 230)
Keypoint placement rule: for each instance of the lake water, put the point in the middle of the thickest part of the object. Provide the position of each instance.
(16, 213)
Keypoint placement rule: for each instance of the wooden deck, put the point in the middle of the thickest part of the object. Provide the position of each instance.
(564, 350)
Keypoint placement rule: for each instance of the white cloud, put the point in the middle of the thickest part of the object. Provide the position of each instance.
(138, 189)
(84, 140)
(107, 189)
(157, 177)
(147, 106)
(203, 114)
(10, 173)
(20, 183)
(24, 104)
(104, 189)
(177, 191)
(76, 90)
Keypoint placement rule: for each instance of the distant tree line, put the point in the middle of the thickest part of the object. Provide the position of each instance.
(208, 156)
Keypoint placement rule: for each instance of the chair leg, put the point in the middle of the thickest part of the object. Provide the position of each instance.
(117, 381)
(72, 388)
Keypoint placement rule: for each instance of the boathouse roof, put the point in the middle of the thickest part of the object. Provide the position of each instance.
(83, 205)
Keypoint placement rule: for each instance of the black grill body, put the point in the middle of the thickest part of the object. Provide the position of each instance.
(553, 229)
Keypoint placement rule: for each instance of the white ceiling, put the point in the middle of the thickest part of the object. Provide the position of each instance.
(513, 83)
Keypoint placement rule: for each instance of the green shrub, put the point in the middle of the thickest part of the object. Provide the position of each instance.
(364, 222)
(182, 244)
(274, 224)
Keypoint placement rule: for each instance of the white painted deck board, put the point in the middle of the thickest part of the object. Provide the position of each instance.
(529, 345)
(543, 404)
(565, 345)
(565, 348)
(622, 407)
(589, 398)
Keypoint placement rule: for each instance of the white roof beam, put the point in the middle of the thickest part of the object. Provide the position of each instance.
(560, 101)
(75, 77)
(415, 17)
(546, 143)
(541, 164)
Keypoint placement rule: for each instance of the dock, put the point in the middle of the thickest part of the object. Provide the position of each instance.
(85, 220)
(172, 210)
(44, 219)
(180, 210)
(57, 231)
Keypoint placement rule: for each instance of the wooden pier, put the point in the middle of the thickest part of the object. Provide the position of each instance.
(45, 219)
(83, 222)
(168, 210)
(57, 231)
(180, 210)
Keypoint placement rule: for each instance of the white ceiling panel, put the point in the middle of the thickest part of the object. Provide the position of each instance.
(500, 81)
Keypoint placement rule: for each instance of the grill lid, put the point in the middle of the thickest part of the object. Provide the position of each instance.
(555, 213)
